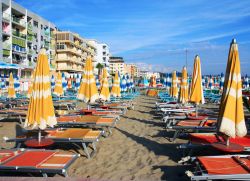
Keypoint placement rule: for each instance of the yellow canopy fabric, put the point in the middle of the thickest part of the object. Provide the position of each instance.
(41, 110)
(173, 89)
(58, 88)
(30, 88)
(11, 88)
(231, 117)
(116, 89)
(104, 94)
(184, 87)
(196, 93)
(88, 91)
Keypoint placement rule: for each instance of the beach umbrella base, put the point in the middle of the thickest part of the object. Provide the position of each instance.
(35, 143)
(230, 148)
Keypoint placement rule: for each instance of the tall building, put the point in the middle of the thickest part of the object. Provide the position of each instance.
(72, 51)
(132, 69)
(102, 54)
(117, 64)
(23, 34)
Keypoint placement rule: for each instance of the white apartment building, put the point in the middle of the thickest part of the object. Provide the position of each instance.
(148, 74)
(23, 34)
(102, 54)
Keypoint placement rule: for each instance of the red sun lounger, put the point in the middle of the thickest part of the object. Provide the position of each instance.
(230, 167)
(36, 161)
(198, 140)
(75, 136)
(87, 121)
(193, 126)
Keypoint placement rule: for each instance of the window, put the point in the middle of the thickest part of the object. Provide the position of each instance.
(41, 38)
(35, 23)
(60, 46)
(41, 27)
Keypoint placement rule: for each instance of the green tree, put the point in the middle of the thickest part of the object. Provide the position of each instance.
(99, 66)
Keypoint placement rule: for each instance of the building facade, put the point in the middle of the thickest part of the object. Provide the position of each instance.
(117, 64)
(149, 74)
(72, 51)
(23, 34)
(101, 56)
(132, 69)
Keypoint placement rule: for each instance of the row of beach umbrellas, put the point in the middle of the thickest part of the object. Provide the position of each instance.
(231, 121)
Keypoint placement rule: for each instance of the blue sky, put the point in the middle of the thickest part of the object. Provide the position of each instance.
(157, 33)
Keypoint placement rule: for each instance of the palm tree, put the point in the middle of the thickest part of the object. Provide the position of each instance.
(99, 66)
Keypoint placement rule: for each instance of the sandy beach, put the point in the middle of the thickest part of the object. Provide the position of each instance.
(138, 148)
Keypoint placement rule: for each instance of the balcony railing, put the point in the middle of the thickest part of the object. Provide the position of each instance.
(6, 16)
(6, 52)
(6, 46)
(6, 59)
(30, 37)
(30, 51)
(18, 21)
(18, 34)
(30, 27)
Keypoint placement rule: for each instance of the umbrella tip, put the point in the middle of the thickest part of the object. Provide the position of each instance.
(234, 40)
(42, 51)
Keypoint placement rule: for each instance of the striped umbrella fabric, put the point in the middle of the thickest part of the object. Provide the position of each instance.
(168, 81)
(211, 82)
(132, 83)
(30, 88)
(41, 110)
(11, 88)
(196, 93)
(174, 89)
(123, 84)
(53, 83)
(184, 87)
(64, 82)
(246, 82)
(98, 84)
(128, 82)
(88, 90)
(222, 79)
(116, 89)
(78, 81)
(17, 83)
(3, 86)
(104, 93)
(231, 119)
(58, 88)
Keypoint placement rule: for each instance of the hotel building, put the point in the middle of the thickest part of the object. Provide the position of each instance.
(117, 64)
(102, 55)
(23, 34)
(72, 51)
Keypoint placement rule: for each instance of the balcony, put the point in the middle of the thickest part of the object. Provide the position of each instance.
(31, 52)
(18, 34)
(19, 42)
(30, 38)
(6, 52)
(30, 27)
(6, 17)
(6, 46)
(19, 21)
(6, 59)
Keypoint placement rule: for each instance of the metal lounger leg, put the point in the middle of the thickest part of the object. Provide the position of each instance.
(176, 134)
(45, 175)
(86, 150)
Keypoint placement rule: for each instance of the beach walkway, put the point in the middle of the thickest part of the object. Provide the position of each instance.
(138, 149)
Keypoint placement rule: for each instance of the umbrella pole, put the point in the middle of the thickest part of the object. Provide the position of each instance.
(39, 135)
(196, 110)
(227, 141)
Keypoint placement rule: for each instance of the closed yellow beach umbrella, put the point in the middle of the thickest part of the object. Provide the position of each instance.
(231, 118)
(88, 90)
(58, 87)
(30, 88)
(104, 94)
(116, 89)
(196, 92)
(11, 88)
(173, 89)
(41, 110)
(184, 87)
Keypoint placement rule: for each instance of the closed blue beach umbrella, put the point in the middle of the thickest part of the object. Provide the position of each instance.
(53, 83)
(222, 79)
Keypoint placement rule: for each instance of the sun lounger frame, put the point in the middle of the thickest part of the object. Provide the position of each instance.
(205, 176)
(43, 171)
